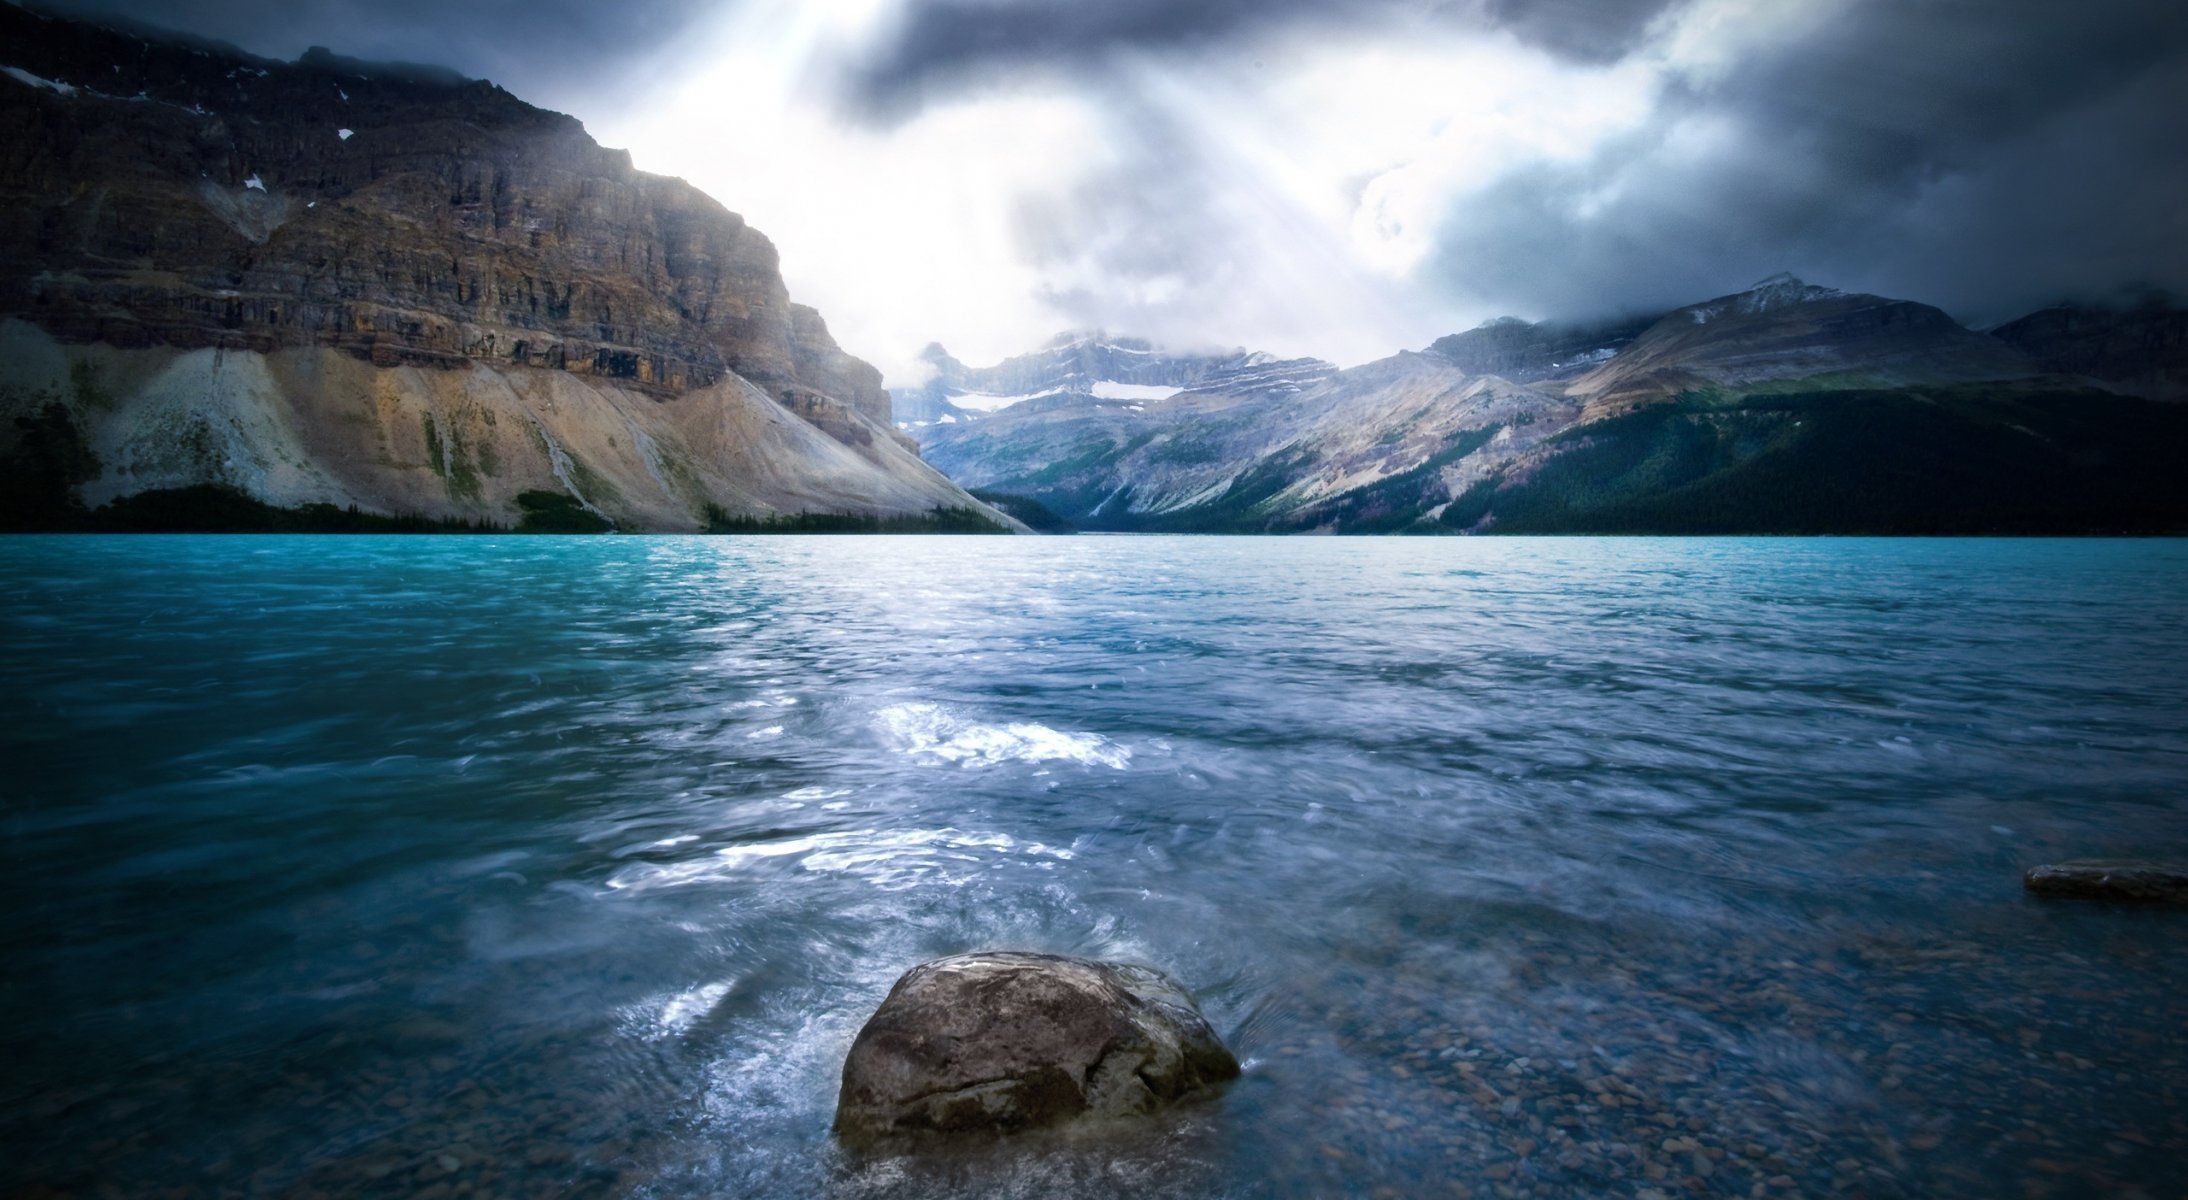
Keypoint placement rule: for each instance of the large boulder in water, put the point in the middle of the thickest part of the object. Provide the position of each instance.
(1000, 1041)
(2109, 879)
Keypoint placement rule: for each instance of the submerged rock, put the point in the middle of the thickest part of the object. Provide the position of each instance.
(1002, 1041)
(2109, 879)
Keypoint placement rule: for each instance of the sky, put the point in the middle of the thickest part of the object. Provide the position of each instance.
(1348, 178)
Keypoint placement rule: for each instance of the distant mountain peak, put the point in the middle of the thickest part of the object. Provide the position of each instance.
(1782, 290)
(1091, 365)
(1097, 339)
(1524, 351)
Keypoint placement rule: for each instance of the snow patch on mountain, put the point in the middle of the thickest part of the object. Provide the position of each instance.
(986, 402)
(1110, 389)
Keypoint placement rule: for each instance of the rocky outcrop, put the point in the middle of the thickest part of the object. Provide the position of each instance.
(822, 366)
(164, 199)
(1528, 352)
(2109, 879)
(1000, 1042)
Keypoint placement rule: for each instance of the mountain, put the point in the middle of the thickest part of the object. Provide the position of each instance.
(1783, 333)
(2139, 347)
(1785, 408)
(1223, 455)
(1527, 352)
(1088, 367)
(388, 287)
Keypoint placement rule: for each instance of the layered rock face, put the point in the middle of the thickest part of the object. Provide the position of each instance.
(1002, 1041)
(160, 198)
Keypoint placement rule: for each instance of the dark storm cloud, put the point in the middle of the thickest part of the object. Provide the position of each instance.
(1986, 157)
(1586, 30)
(533, 47)
(944, 45)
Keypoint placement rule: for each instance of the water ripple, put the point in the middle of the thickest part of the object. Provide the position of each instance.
(1565, 867)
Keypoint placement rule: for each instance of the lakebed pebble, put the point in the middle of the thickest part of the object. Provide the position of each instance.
(1725, 1066)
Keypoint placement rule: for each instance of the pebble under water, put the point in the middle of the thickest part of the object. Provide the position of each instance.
(531, 867)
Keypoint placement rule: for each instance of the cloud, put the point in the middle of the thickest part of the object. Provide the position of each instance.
(1988, 158)
(939, 48)
(1165, 233)
(550, 51)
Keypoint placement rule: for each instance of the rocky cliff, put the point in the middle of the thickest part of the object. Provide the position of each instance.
(445, 295)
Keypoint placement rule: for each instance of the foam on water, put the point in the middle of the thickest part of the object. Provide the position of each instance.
(670, 1015)
(933, 732)
(888, 859)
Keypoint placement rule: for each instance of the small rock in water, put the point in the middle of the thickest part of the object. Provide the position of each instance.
(2109, 879)
(1001, 1041)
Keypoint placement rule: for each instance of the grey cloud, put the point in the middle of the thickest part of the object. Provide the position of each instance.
(1164, 241)
(945, 45)
(1155, 216)
(536, 48)
(1987, 157)
(1583, 30)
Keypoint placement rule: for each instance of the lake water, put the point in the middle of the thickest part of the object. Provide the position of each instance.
(569, 866)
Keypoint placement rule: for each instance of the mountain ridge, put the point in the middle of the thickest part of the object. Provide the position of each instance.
(1088, 364)
(1485, 430)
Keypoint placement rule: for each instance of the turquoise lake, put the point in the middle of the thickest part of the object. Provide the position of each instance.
(497, 866)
